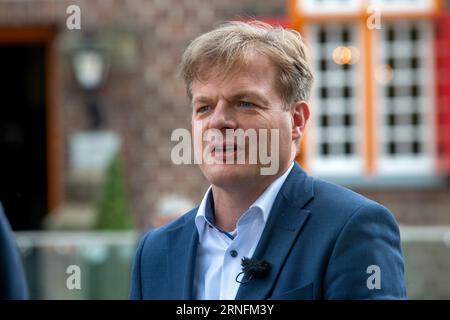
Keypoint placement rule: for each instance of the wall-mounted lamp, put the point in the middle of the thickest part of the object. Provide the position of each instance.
(90, 67)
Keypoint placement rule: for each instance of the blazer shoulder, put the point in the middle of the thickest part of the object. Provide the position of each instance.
(158, 235)
(344, 202)
(322, 187)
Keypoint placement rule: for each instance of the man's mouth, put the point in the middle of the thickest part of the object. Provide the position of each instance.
(224, 151)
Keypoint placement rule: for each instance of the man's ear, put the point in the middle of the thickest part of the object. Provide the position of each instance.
(300, 116)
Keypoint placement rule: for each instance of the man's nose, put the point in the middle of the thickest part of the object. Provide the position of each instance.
(222, 117)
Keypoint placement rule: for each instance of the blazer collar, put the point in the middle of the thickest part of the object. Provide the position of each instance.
(182, 244)
(283, 227)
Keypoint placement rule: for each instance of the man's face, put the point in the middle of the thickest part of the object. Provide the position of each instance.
(246, 99)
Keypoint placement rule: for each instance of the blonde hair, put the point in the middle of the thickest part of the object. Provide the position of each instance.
(232, 44)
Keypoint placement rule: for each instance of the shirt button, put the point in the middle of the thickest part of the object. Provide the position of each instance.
(233, 253)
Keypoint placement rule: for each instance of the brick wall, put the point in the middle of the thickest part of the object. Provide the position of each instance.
(146, 101)
(415, 206)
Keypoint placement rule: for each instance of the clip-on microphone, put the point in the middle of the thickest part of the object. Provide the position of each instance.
(254, 268)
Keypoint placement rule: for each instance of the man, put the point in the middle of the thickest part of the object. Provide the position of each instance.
(307, 239)
(13, 285)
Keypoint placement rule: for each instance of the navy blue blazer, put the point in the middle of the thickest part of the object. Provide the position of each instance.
(12, 279)
(321, 240)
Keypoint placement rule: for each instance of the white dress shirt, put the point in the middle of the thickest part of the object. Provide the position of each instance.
(219, 253)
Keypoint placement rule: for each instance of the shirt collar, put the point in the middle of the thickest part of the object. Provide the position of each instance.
(201, 219)
(267, 198)
(205, 212)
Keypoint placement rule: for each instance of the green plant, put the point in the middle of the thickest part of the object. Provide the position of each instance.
(113, 208)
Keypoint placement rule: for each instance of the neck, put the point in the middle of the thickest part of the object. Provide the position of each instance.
(231, 202)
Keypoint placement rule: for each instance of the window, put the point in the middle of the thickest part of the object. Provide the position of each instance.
(405, 103)
(329, 6)
(387, 6)
(336, 129)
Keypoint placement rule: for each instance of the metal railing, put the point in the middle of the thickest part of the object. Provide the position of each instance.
(105, 260)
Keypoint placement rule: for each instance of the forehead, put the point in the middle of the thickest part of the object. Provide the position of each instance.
(257, 73)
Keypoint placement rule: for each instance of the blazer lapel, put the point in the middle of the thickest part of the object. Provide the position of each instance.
(182, 250)
(282, 229)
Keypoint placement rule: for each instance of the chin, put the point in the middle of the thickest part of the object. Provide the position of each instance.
(223, 175)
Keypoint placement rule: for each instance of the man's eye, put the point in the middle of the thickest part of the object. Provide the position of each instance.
(203, 109)
(245, 104)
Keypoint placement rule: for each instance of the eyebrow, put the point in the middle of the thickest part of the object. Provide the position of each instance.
(249, 95)
(201, 99)
(236, 96)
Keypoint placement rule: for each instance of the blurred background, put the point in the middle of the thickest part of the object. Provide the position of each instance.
(90, 96)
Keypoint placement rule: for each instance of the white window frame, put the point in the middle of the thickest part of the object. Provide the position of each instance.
(334, 165)
(402, 165)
